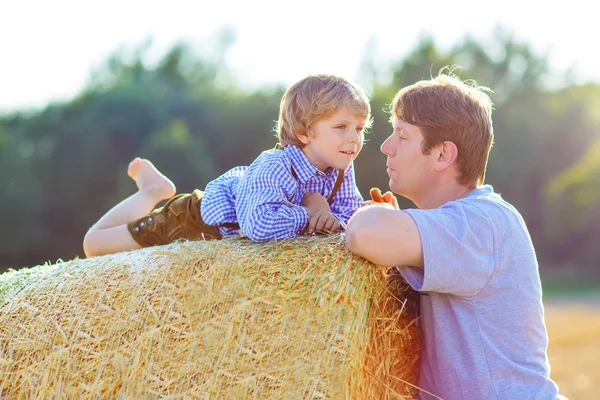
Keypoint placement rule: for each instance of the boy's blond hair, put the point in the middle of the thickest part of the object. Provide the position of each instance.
(316, 97)
(448, 109)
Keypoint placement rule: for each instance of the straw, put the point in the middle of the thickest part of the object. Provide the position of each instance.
(230, 319)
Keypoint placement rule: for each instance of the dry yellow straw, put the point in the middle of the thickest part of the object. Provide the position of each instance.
(297, 319)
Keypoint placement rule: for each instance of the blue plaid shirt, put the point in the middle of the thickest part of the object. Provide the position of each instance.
(257, 196)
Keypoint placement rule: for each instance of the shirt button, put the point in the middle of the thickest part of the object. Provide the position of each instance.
(298, 232)
(136, 229)
(142, 224)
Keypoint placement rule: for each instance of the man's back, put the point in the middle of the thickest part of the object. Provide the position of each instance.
(481, 305)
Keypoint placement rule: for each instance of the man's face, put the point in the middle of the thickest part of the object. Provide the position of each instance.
(410, 170)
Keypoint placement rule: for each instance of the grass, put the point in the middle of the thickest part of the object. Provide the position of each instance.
(571, 287)
(570, 283)
(574, 348)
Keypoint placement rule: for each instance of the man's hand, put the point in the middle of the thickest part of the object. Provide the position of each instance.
(388, 197)
(320, 217)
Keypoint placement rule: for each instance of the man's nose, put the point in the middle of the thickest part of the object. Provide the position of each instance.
(386, 148)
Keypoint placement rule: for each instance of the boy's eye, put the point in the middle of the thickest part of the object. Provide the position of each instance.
(341, 127)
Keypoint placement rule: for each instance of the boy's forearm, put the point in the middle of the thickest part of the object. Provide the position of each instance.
(314, 201)
(265, 223)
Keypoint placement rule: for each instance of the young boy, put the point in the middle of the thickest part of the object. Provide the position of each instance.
(305, 185)
(465, 249)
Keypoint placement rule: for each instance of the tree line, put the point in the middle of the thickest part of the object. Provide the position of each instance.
(63, 166)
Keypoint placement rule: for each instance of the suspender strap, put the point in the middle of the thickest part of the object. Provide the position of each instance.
(293, 171)
(337, 185)
(230, 225)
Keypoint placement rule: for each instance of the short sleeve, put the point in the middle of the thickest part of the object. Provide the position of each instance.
(458, 250)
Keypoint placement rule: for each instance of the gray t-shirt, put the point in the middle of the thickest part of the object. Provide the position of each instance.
(481, 302)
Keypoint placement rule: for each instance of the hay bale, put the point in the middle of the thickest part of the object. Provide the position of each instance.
(223, 320)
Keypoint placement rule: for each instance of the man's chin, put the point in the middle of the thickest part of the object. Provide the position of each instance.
(396, 189)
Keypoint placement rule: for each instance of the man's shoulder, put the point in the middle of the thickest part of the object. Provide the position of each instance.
(482, 212)
(484, 200)
(505, 223)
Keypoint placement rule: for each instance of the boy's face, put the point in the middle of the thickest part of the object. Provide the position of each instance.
(334, 141)
(410, 170)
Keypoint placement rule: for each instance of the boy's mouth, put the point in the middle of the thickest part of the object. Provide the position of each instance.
(348, 152)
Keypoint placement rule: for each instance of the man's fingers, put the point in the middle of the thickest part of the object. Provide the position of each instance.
(389, 197)
(376, 195)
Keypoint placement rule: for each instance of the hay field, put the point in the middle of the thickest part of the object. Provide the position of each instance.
(69, 302)
(574, 348)
(301, 319)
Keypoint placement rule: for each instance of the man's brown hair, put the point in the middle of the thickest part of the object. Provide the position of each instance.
(448, 109)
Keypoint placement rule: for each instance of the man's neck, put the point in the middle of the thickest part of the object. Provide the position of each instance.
(439, 194)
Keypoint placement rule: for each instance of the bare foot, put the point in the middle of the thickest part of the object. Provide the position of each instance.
(147, 177)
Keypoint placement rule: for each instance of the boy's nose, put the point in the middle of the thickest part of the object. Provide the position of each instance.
(354, 137)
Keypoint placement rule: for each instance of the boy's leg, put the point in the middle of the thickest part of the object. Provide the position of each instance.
(110, 233)
(108, 240)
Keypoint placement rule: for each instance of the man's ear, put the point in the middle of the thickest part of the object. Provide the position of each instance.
(447, 153)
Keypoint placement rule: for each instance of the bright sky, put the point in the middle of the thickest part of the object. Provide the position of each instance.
(48, 48)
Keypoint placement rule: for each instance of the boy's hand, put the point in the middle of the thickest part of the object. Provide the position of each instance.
(388, 197)
(320, 217)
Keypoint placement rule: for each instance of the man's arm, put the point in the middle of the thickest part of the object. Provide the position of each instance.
(385, 237)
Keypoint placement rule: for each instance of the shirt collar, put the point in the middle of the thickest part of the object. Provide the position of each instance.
(482, 190)
(305, 169)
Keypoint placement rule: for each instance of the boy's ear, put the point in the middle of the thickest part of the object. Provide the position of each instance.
(303, 137)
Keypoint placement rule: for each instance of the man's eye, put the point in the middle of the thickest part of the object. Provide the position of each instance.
(341, 127)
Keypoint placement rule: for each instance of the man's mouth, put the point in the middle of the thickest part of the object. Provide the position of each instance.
(348, 152)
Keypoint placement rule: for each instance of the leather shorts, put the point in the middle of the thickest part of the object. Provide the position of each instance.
(178, 219)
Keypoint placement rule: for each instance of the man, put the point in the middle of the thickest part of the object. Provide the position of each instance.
(465, 249)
